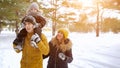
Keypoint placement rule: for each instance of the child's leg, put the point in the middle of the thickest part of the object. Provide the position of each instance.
(20, 38)
(22, 34)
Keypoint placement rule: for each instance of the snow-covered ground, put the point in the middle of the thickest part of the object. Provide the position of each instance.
(89, 51)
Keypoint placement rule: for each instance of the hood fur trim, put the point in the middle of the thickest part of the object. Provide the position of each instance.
(62, 46)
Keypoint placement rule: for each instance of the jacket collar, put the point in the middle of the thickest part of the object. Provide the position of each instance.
(62, 46)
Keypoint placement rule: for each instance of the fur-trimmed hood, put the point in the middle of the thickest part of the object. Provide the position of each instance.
(62, 46)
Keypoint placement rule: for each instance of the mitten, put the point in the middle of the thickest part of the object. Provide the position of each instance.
(34, 40)
(61, 56)
(18, 48)
(17, 45)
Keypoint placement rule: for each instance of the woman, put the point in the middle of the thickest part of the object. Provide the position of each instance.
(34, 45)
(60, 50)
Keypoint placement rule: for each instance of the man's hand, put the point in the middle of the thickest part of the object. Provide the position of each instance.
(34, 40)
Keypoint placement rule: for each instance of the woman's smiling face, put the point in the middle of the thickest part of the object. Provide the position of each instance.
(59, 35)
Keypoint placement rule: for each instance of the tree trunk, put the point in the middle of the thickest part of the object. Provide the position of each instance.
(16, 30)
(54, 18)
(0, 26)
(97, 26)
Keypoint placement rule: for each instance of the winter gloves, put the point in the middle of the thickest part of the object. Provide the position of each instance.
(65, 58)
(34, 40)
(61, 56)
(22, 34)
(18, 48)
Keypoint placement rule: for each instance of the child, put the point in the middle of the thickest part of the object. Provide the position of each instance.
(34, 11)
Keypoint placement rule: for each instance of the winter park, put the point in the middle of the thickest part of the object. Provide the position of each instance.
(93, 27)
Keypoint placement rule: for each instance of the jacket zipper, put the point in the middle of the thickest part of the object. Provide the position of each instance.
(56, 57)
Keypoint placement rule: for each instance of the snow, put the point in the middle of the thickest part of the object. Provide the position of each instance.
(89, 51)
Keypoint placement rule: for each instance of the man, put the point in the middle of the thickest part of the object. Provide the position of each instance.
(34, 45)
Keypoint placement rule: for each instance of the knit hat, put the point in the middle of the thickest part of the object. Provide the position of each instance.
(34, 5)
(64, 32)
(39, 19)
(30, 19)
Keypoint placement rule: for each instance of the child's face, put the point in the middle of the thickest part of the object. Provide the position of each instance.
(29, 27)
(33, 10)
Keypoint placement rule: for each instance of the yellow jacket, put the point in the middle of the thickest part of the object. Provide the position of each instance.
(32, 57)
